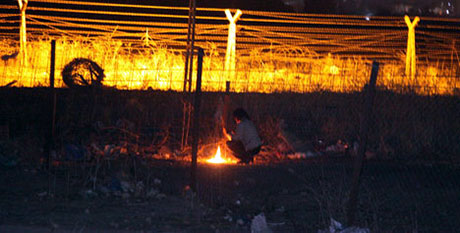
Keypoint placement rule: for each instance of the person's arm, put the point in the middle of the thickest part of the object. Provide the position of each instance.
(227, 135)
(238, 134)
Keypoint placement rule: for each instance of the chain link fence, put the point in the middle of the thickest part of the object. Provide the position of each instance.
(310, 128)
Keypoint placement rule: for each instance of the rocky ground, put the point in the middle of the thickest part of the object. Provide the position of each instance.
(294, 196)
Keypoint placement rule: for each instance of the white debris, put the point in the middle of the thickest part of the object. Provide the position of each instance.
(259, 224)
(281, 209)
(126, 186)
(161, 196)
(152, 193)
(228, 218)
(42, 194)
(339, 147)
(310, 154)
(157, 181)
(337, 227)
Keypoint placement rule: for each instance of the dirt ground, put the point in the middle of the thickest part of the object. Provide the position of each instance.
(294, 196)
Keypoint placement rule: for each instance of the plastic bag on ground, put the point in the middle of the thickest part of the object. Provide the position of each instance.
(337, 227)
(259, 224)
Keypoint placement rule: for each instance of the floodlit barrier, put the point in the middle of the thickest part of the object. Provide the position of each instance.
(141, 47)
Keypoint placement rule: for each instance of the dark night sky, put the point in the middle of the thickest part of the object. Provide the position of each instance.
(444, 8)
(441, 8)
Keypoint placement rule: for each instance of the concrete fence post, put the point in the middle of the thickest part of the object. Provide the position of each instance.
(230, 56)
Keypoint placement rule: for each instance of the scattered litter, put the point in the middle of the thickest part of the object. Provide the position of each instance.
(367, 155)
(259, 224)
(157, 181)
(303, 155)
(310, 154)
(240, 221)
(297, 155)
(228, 218)
(90, 192)
(161, 196)
(126, 186)
(339, 147)
(281, 209)
(320, 148)
(42, 194)
(354, 148)
(114, 224)
(54, 225)
(337, 227)
(152, 193)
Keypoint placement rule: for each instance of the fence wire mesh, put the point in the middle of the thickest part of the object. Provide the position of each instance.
(124, 141)
(163, 69)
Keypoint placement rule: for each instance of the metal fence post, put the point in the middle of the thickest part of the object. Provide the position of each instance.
(188, 70)
(49, 144)
(369, 92)
(50, 139)
(53, 90)
(196, 120)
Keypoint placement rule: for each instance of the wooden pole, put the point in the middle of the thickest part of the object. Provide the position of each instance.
(369, 92)
(196, 121)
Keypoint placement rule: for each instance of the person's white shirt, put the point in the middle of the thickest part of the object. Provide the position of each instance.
(246, 132)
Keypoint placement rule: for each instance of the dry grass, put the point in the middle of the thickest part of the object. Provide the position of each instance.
(129, 66)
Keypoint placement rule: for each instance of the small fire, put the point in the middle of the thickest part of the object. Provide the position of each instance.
(217, 159)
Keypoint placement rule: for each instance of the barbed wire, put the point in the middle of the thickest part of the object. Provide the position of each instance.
(375, 38)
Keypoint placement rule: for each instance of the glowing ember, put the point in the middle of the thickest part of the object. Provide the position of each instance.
(217, 159)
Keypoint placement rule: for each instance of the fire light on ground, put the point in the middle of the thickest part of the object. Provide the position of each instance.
(218, 159)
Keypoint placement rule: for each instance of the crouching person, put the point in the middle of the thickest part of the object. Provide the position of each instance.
(244, 142)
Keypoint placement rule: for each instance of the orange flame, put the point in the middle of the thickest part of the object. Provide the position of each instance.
(218, 159)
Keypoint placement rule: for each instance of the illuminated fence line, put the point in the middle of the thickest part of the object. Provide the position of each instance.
(313, 78)
(163, 70)
(270, 46)
(314, 36)
(340, 34)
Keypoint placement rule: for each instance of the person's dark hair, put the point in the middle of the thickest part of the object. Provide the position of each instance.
(240, 113)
